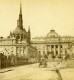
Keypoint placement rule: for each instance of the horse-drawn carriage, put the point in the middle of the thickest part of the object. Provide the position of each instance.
(43, 62)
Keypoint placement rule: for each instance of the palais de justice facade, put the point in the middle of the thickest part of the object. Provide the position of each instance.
(52, 42)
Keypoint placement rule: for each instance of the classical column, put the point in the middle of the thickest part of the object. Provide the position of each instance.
(50, 47)
(20, 51)
(58, 49)
(54, 49)
(23, 50)
(47, 47)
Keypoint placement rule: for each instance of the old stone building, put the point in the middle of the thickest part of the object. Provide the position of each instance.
(52, 42)
(18, 42)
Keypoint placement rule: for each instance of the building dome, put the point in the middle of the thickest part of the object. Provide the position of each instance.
(52, 33)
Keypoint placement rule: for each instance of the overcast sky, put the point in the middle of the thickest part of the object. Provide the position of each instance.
(41, 15)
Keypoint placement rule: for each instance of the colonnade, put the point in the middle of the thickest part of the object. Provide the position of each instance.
(55, 48)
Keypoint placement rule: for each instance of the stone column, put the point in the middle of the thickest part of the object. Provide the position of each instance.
(23, 50)
(54, 49)
(19, 51)
(50, 48)
(58, 49)
(47, 47)
(20, 36)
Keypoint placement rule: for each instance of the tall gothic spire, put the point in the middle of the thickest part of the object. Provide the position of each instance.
(20, 21)
(20, 8)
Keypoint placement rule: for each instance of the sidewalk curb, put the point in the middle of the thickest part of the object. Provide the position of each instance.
(6, 70)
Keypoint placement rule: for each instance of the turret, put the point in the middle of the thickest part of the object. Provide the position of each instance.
(29, 34)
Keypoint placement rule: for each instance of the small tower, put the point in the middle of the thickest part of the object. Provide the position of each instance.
(29, 34)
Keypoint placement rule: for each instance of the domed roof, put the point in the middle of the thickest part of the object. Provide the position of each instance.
(52, 33)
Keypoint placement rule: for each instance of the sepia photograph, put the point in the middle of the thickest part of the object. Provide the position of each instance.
(36, 39)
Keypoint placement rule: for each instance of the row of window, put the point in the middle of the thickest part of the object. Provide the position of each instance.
(44, 52)
(5, 42)
(43, 47)
(56, 46)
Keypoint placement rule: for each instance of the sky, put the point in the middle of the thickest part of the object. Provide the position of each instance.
(41, 15)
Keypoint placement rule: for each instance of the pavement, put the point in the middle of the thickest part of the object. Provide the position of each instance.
(67, 74)
(34, 72)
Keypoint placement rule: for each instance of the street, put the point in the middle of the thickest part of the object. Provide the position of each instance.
(33, 72)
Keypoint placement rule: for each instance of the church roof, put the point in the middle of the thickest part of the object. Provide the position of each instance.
(18, 30)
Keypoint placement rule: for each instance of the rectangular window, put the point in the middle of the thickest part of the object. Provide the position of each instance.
(61, 46)
(52, 46)
(56, 46)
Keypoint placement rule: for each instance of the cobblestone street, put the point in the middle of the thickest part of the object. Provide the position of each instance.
(33, 72)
